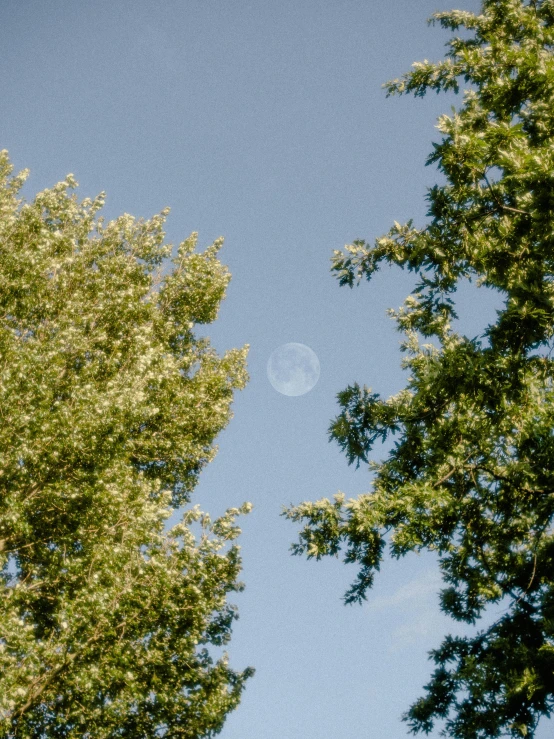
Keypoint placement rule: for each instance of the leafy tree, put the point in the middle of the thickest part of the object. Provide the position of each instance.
(110, 405)
(470, 475)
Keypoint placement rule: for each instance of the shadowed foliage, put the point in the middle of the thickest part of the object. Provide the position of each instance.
(470, 474)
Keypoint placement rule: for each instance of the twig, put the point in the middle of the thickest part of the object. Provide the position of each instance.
(500, 203)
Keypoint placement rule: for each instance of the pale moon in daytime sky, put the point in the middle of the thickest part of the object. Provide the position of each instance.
(293, 369)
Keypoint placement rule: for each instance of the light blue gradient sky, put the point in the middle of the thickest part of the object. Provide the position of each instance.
(264, 121)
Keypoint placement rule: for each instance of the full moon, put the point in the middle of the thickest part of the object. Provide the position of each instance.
(293, 369)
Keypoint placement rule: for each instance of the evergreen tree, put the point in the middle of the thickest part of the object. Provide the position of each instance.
(471, 473)
(110, 405)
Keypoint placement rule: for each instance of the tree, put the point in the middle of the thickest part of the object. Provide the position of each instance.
(470, 475)
(110, 405)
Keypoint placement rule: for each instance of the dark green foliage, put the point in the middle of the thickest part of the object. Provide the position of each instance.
(471, 473)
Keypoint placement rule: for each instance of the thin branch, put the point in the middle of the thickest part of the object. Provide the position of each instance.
(452, 471)
(499, 202)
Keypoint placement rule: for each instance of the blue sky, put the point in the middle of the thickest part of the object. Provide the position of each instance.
(264, 121)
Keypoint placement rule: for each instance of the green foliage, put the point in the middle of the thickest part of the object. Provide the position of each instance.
(470, 474)
(109, 408)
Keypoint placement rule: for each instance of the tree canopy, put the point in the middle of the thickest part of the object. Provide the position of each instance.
(470, 474)
(109, 624)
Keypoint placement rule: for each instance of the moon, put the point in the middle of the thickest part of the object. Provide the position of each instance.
(293, 369)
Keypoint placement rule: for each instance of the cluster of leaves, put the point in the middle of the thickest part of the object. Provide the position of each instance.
(109, 408)
(470, 474)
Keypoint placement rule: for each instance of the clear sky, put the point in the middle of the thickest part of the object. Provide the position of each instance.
(264, 121)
